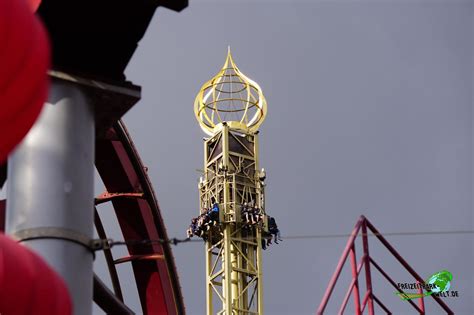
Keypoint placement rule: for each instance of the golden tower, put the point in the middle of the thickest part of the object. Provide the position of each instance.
(230, 108)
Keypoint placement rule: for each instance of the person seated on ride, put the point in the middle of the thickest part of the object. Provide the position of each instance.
(195, 226)
(273, 229)
(256, 217)
(260, 217)
(213, 214)
(251, 217)
(215, 207)
(192, 228)
(266, 239)
(244, 213)
(202, 220)
(207, 221)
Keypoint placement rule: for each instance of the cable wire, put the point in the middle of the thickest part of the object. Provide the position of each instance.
(176, 241)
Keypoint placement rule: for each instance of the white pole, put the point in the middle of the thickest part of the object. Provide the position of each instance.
(51, 188)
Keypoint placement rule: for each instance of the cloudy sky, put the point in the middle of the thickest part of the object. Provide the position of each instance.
(369, 112)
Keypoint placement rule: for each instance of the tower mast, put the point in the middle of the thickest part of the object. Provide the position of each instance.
(230, 108)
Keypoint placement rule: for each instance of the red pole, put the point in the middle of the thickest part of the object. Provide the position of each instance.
(368, 278)
(340, 264)
(355, 276)
(404, 263)
(421, 302)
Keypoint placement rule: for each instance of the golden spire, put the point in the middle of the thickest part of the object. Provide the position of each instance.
(230, 97)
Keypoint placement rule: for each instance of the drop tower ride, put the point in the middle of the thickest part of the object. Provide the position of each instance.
(230, 109)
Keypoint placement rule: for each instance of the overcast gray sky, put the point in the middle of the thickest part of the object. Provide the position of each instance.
(369, 112)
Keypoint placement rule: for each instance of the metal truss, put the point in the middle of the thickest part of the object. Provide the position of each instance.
(233, 247)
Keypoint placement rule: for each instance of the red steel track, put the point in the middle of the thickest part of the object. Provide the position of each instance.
(130, 191)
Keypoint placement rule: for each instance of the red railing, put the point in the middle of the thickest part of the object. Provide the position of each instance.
(366, 262)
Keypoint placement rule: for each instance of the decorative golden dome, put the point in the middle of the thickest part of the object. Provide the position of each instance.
(230, 97)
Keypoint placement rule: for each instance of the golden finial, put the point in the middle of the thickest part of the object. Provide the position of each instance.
(230, 97)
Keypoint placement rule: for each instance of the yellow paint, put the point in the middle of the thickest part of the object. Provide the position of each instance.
(230, 108)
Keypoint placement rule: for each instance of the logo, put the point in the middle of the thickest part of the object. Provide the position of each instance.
(438, 284)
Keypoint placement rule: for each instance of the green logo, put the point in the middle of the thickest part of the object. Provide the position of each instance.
(438, 283)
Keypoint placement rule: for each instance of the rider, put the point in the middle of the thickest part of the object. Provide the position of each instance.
(273, 229)
(214, 213)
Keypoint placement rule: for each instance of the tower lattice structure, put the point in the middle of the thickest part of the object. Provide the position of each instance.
(230, 108)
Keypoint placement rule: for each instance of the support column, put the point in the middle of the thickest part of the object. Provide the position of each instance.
(259, 266)
(51, 185)
(227, 263)
(209, 293)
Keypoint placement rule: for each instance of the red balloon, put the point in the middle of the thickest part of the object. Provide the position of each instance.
(24, 61)
(34, 4)
(29, 285)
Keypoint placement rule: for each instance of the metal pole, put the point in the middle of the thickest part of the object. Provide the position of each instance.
(368, 278)
(340, 265)
(51, 185)
(402, 261)
(421, 302)
(209, 292)
(260, 273)
(355, 276)
(227, 281)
